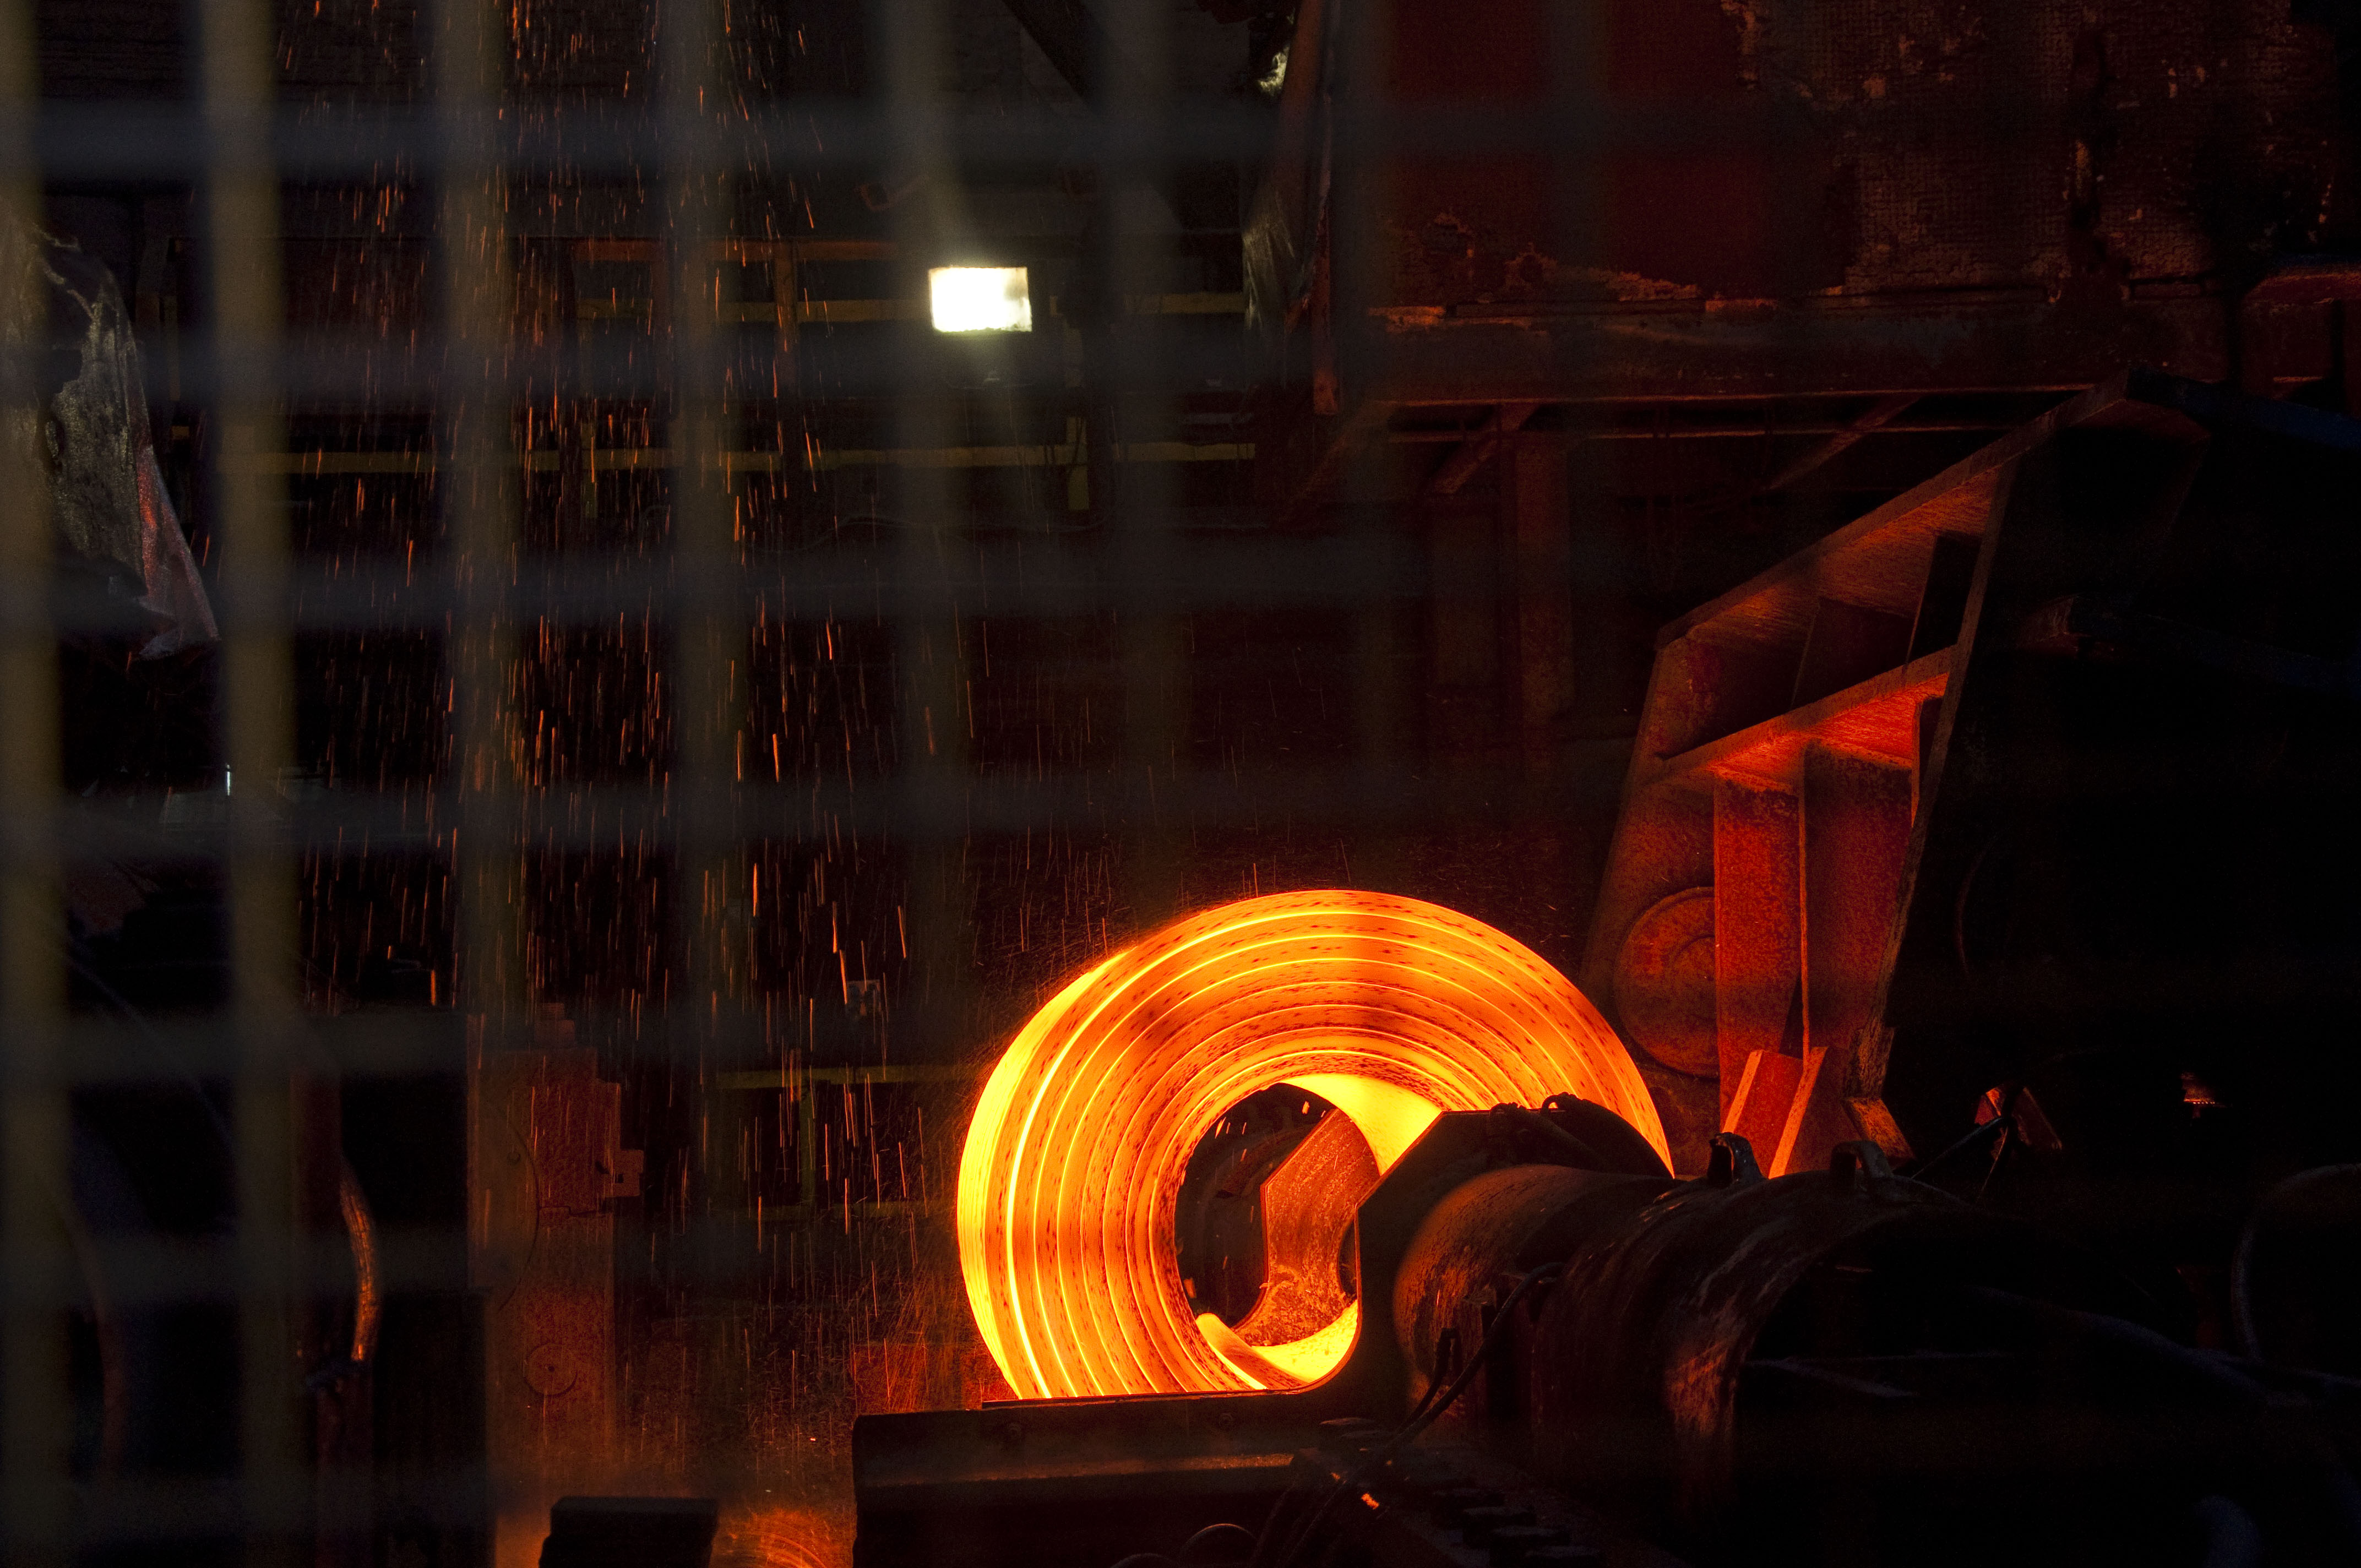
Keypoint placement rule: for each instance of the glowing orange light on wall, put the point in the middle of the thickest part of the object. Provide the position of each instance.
(1390, 1009)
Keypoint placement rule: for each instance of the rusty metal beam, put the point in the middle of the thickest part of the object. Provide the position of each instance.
(1078, 48)
(1352, 432)
(1473, 452)
(1085, 55)
(1870, 348)
(1881, 414)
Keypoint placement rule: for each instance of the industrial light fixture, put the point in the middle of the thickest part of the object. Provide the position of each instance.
(981, 299)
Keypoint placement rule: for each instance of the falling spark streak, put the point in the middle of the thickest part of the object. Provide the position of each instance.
(1392, 1009)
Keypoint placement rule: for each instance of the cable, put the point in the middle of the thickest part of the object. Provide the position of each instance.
(1214, 1538)
(2242, 1310)
(2225, 1384)
(1976, 1134)
(1448, 1338)
(1426, 1414)
(1269, 1531)
(2008, 1140)
(1419, 1423)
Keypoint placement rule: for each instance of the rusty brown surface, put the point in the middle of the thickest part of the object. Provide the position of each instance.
(1917, 796)
(1791, 704)
(1476, 451)
(1874, 717)
(1816, 1119)
(546, 1164)
(1643, 204)
(1762, 1096)
(1664, 983)
(1857, 813)
(1308, 1203)
(1776, 149)
(1756, 913)
(1539, 526)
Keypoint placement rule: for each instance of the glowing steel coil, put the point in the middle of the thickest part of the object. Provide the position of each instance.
(1392, 1009)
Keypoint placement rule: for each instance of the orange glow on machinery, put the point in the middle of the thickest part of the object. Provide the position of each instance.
(1390, 1009)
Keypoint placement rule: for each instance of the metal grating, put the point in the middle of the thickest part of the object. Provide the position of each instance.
(742, 704)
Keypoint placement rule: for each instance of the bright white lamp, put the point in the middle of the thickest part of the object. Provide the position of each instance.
(980, 299)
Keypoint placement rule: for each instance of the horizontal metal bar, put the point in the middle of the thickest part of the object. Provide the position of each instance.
(832, 364)
(1017, 569)
(1017, 573)
(809, 312)
(918, 807)
(1031, 456)
(122, 140)
(789, 1076)
(740, 250)
(141, 1509)
(1715, 432)
(820, 459)
(158, 1270)
(188, 1050)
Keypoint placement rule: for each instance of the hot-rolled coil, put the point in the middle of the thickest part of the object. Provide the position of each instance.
(1392, 1009)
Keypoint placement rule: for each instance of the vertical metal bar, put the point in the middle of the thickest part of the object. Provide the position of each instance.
(1572, 556)
(477, 495)
(707, 622)
(700, 602)
(35, 1424)
(1139, 504)
(1358, 246)
(479, 504)
(934, 751)
(238, 65)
